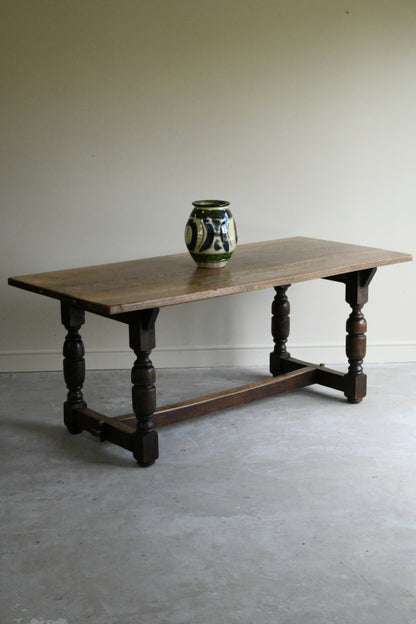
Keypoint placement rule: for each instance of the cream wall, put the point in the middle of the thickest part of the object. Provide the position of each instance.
(117, 114)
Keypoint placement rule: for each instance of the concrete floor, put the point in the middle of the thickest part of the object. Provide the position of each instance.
(299, 509)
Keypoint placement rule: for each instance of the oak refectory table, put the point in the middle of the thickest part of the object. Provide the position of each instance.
(132, 292)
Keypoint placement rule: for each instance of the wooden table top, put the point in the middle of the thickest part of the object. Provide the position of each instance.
(119, 287)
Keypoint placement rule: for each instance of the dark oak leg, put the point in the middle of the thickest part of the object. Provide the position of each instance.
(74, 363)
(356, 342)
(142, 341)
(280, 328)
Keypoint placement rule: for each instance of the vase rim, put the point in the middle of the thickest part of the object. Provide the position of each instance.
(210, 203)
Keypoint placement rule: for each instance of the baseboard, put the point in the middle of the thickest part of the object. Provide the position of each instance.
(198, 356)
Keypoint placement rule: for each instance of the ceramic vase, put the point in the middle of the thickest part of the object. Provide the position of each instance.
(210, 233)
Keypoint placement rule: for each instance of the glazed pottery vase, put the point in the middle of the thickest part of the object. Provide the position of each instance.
(210, 233)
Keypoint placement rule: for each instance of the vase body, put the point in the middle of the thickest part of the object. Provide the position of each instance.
(210, 233)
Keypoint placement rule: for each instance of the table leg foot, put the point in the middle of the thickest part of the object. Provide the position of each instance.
(69, 420)
(355, 388)
(146, 449)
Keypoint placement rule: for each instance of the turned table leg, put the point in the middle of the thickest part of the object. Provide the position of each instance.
(142, 341)
(356, 342)
(280, 328)
(74, 363)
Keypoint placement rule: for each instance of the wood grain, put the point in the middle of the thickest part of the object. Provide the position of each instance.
(115, 288)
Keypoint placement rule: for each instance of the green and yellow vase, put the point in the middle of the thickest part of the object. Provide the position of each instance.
(210, 233)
